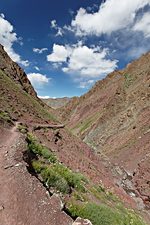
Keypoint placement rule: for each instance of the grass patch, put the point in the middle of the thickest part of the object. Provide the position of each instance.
(39, 149)
(53, 173)
(128, 80)
(4, 116)
(103, 214)
(86, 123)
(51, 178)
(74, 180)
(22, 128)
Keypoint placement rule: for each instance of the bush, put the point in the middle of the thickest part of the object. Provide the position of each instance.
(39, 149)
(74, 180)
(55, 175)
(38, 166)
(51, 177)
(104, 215)
(5, 117)
(128, 80)
(22, 129)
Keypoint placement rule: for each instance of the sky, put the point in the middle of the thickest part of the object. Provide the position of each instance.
(65, 46)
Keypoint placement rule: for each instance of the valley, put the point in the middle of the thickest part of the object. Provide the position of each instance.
(86, 162)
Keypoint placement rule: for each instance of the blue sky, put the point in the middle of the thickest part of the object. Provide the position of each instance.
(66, 46)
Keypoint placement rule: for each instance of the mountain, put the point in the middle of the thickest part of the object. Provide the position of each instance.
(114, 119)
(48, 175)
(56, 103)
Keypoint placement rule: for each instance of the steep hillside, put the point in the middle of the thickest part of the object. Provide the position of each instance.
(48, 176)
(56, 102)
(114, 119)
(12, 70)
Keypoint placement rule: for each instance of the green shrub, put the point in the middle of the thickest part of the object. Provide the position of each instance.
(128, 80)
(5, 117)
(100, 188)
(38, 166)
(103, 214)
(22, 128)
(58, 182)
(39, 149)
(74, 180)
(51, 177)
(55, 175)
(79, 196)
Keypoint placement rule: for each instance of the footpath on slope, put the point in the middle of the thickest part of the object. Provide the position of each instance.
(23, 199)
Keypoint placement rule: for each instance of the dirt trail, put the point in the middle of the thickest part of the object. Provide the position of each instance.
(23, 199)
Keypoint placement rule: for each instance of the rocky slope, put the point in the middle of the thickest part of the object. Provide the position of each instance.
(46, 159)
(114, 119)
(12, 70)
(56, 103)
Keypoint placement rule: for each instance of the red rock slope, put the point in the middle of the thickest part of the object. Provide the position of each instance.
(114, 119)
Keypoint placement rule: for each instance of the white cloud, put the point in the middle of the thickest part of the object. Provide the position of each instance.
(84, 64)
(38, 80)
(59, 32)
(86, 84)
(53, 24)
(57, 28)
(24, 62)
(68, 28)
(89, 62)
(57, 65)
(143, 25)
(7, 38)
(37, 68)
(111, 16)
(59, 54)
(39, 50)
(44, 97)
(2, 15)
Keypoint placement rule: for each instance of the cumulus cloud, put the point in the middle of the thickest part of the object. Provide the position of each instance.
(38, 80)
(59, 54)
(123, 24)
(143, 25)
(111, 16)
(89, 62)
(83, 63)
(39, 50)
(7, 38)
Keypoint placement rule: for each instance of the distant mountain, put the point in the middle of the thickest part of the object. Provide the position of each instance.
(56, 103)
